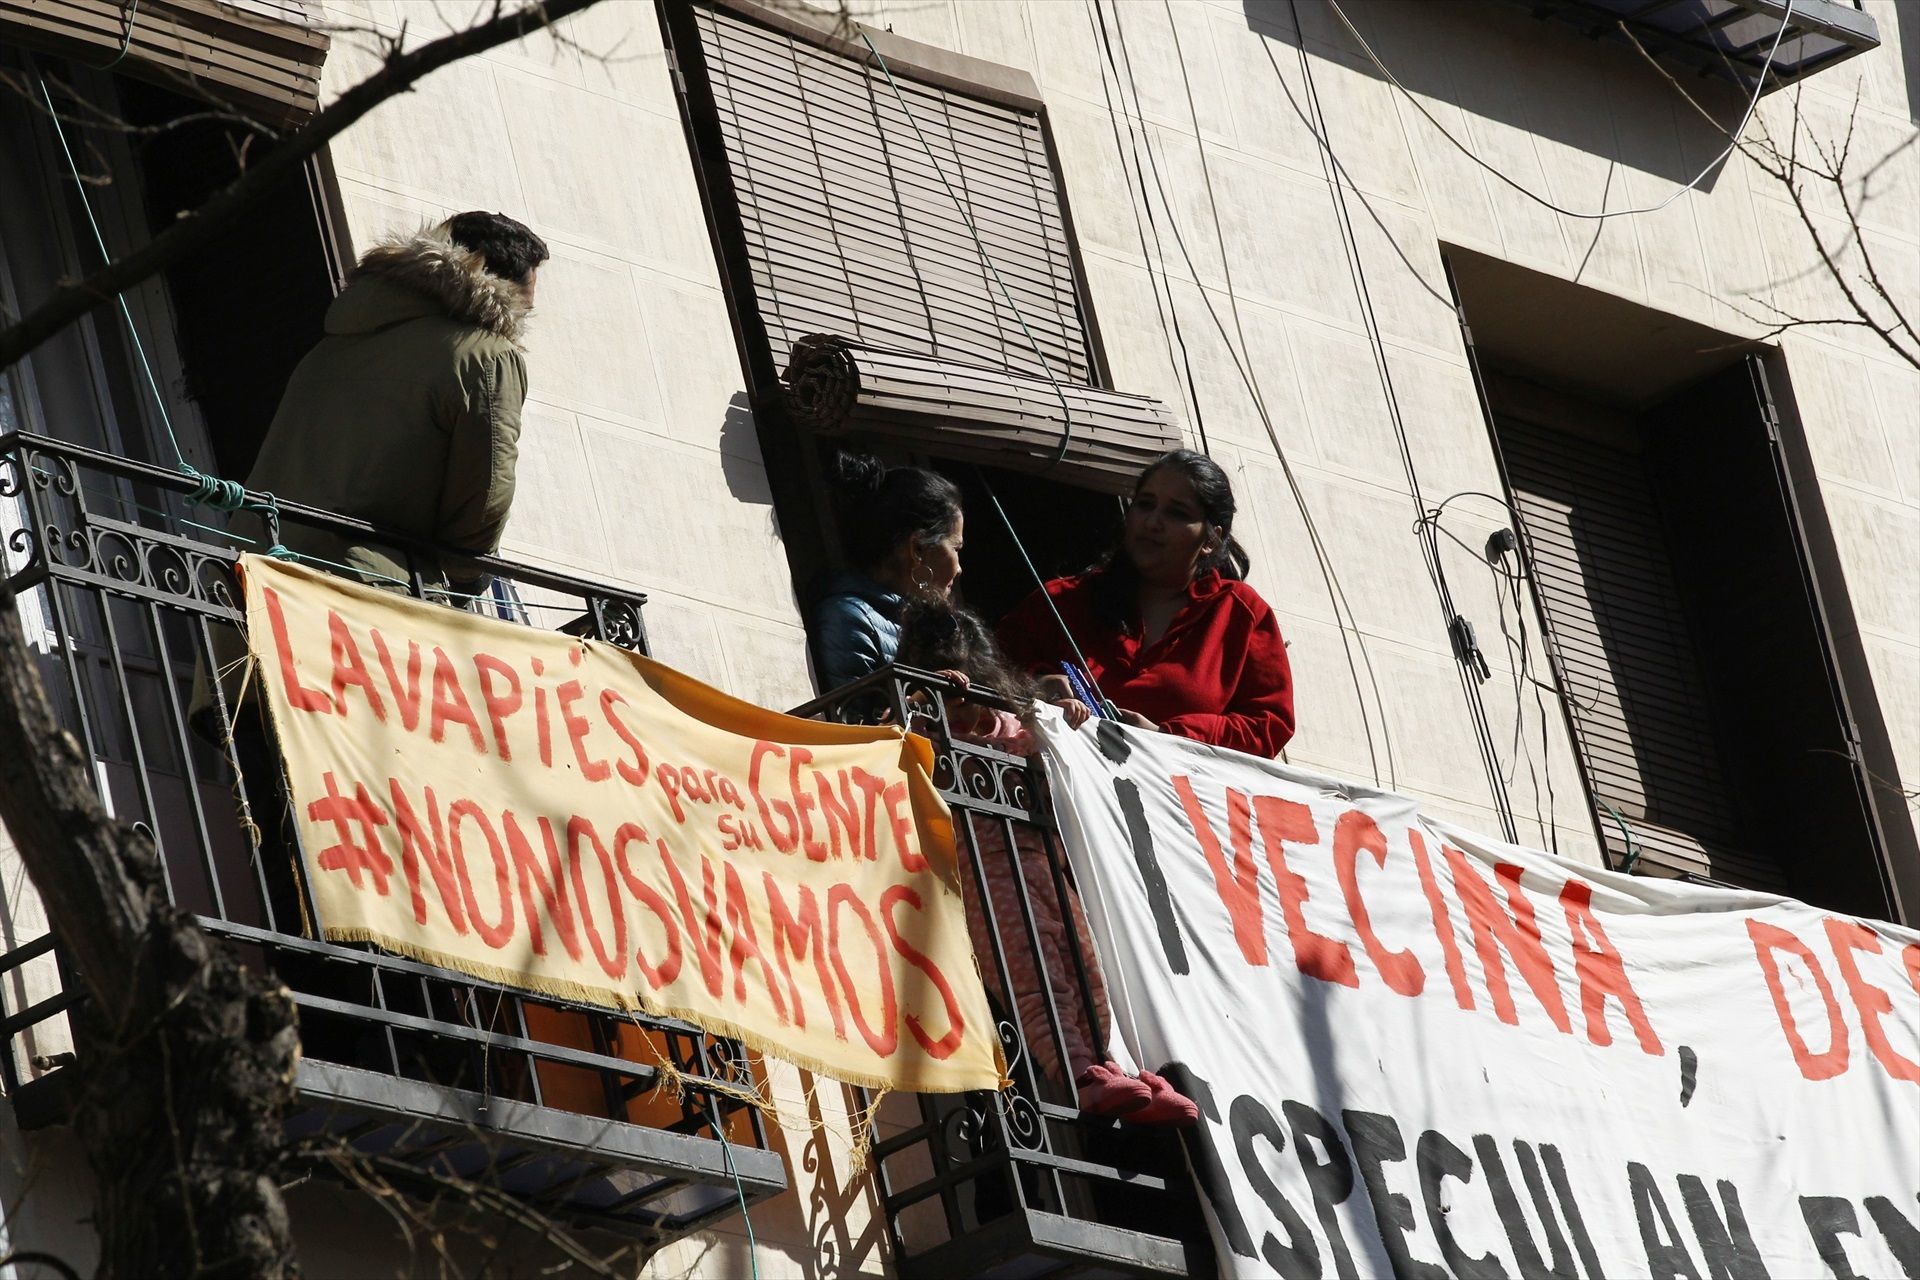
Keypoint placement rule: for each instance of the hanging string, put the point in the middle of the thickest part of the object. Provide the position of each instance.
(208, 491)
(1107, 708)
(940, 172)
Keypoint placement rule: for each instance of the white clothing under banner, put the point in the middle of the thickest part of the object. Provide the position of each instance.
(1420, 1052)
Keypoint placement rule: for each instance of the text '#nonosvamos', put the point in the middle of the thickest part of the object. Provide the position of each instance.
(643, 902)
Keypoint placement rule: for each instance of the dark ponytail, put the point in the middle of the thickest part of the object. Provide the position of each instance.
(884, 508)
(1116, 584)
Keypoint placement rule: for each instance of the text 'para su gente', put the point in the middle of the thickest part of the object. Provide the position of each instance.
(507, 709)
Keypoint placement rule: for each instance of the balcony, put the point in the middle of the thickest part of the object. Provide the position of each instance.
(1727, 38)
(123, 589)
(1020, 1183)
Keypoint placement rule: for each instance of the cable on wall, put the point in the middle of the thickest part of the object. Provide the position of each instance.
(1470, 662)
(1346, 621)
(1759, 88)
(1174, 333)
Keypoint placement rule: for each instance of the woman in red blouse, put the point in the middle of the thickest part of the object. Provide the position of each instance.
(1172, 635)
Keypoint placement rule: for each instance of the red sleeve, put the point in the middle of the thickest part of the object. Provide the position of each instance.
(1258, 718)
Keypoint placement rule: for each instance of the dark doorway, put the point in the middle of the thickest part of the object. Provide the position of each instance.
(248, 306)
(1064, 529)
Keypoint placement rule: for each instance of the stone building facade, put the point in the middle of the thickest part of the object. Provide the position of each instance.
(1279, 243)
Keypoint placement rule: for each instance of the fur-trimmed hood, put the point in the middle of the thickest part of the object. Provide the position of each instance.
(428, 274)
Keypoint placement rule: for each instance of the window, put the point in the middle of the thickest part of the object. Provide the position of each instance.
(258, 56)
(847, 222)
(84, 384)
(1663, 538)
(248, 306)
(865, 307)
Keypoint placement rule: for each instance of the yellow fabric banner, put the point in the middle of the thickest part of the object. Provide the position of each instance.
(570, 818)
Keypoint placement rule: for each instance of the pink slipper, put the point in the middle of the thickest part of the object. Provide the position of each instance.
(1107, 1091)
(1166, 1108)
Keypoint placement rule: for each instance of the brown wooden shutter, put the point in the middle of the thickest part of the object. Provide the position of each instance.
(849, 228)
(1628, 662)
(259, 57)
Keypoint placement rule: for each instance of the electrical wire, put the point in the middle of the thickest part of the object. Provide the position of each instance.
(1470, 662)
(100, 241)
(1174, 333)
(740, 1189)
(1348, 625)
(1540, 707)
(1759, 89)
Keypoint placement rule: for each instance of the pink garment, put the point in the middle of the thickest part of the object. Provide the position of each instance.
(992, 727)
(1083, 1041)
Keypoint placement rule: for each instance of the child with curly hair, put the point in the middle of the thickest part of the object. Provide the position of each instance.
(1015, 862)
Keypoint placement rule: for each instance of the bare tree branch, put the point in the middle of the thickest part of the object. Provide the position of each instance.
(1786, 167)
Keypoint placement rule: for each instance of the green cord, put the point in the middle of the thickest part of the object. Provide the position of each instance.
(1633, 850)
(740, 1189)
(209, 491)
(126, 38)
(100, 241)
(212, 491)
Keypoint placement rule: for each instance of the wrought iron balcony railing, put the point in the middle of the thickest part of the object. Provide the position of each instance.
(1020, 1183)
(126, 593)
(125, 590)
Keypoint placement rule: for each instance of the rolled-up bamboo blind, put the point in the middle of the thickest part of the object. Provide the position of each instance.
(1098, 439)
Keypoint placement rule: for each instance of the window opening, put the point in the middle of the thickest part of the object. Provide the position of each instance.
(250, 305)
(912, 230)
(1664, 543)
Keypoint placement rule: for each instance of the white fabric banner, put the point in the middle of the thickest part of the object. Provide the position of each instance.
(1420, 1052)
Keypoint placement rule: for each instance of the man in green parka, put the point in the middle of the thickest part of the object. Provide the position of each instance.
(407, 413)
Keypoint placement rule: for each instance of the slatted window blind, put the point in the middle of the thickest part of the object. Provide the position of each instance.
(260, 56)
(1631, 671)
(849, 228)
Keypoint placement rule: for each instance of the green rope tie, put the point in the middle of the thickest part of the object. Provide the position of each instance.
(212, 491)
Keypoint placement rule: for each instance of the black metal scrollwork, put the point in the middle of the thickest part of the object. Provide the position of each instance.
(618, 622)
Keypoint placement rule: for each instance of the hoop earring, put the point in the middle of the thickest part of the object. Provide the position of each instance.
(922, 580)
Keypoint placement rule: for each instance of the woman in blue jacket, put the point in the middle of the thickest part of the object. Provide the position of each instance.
(902, 530)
